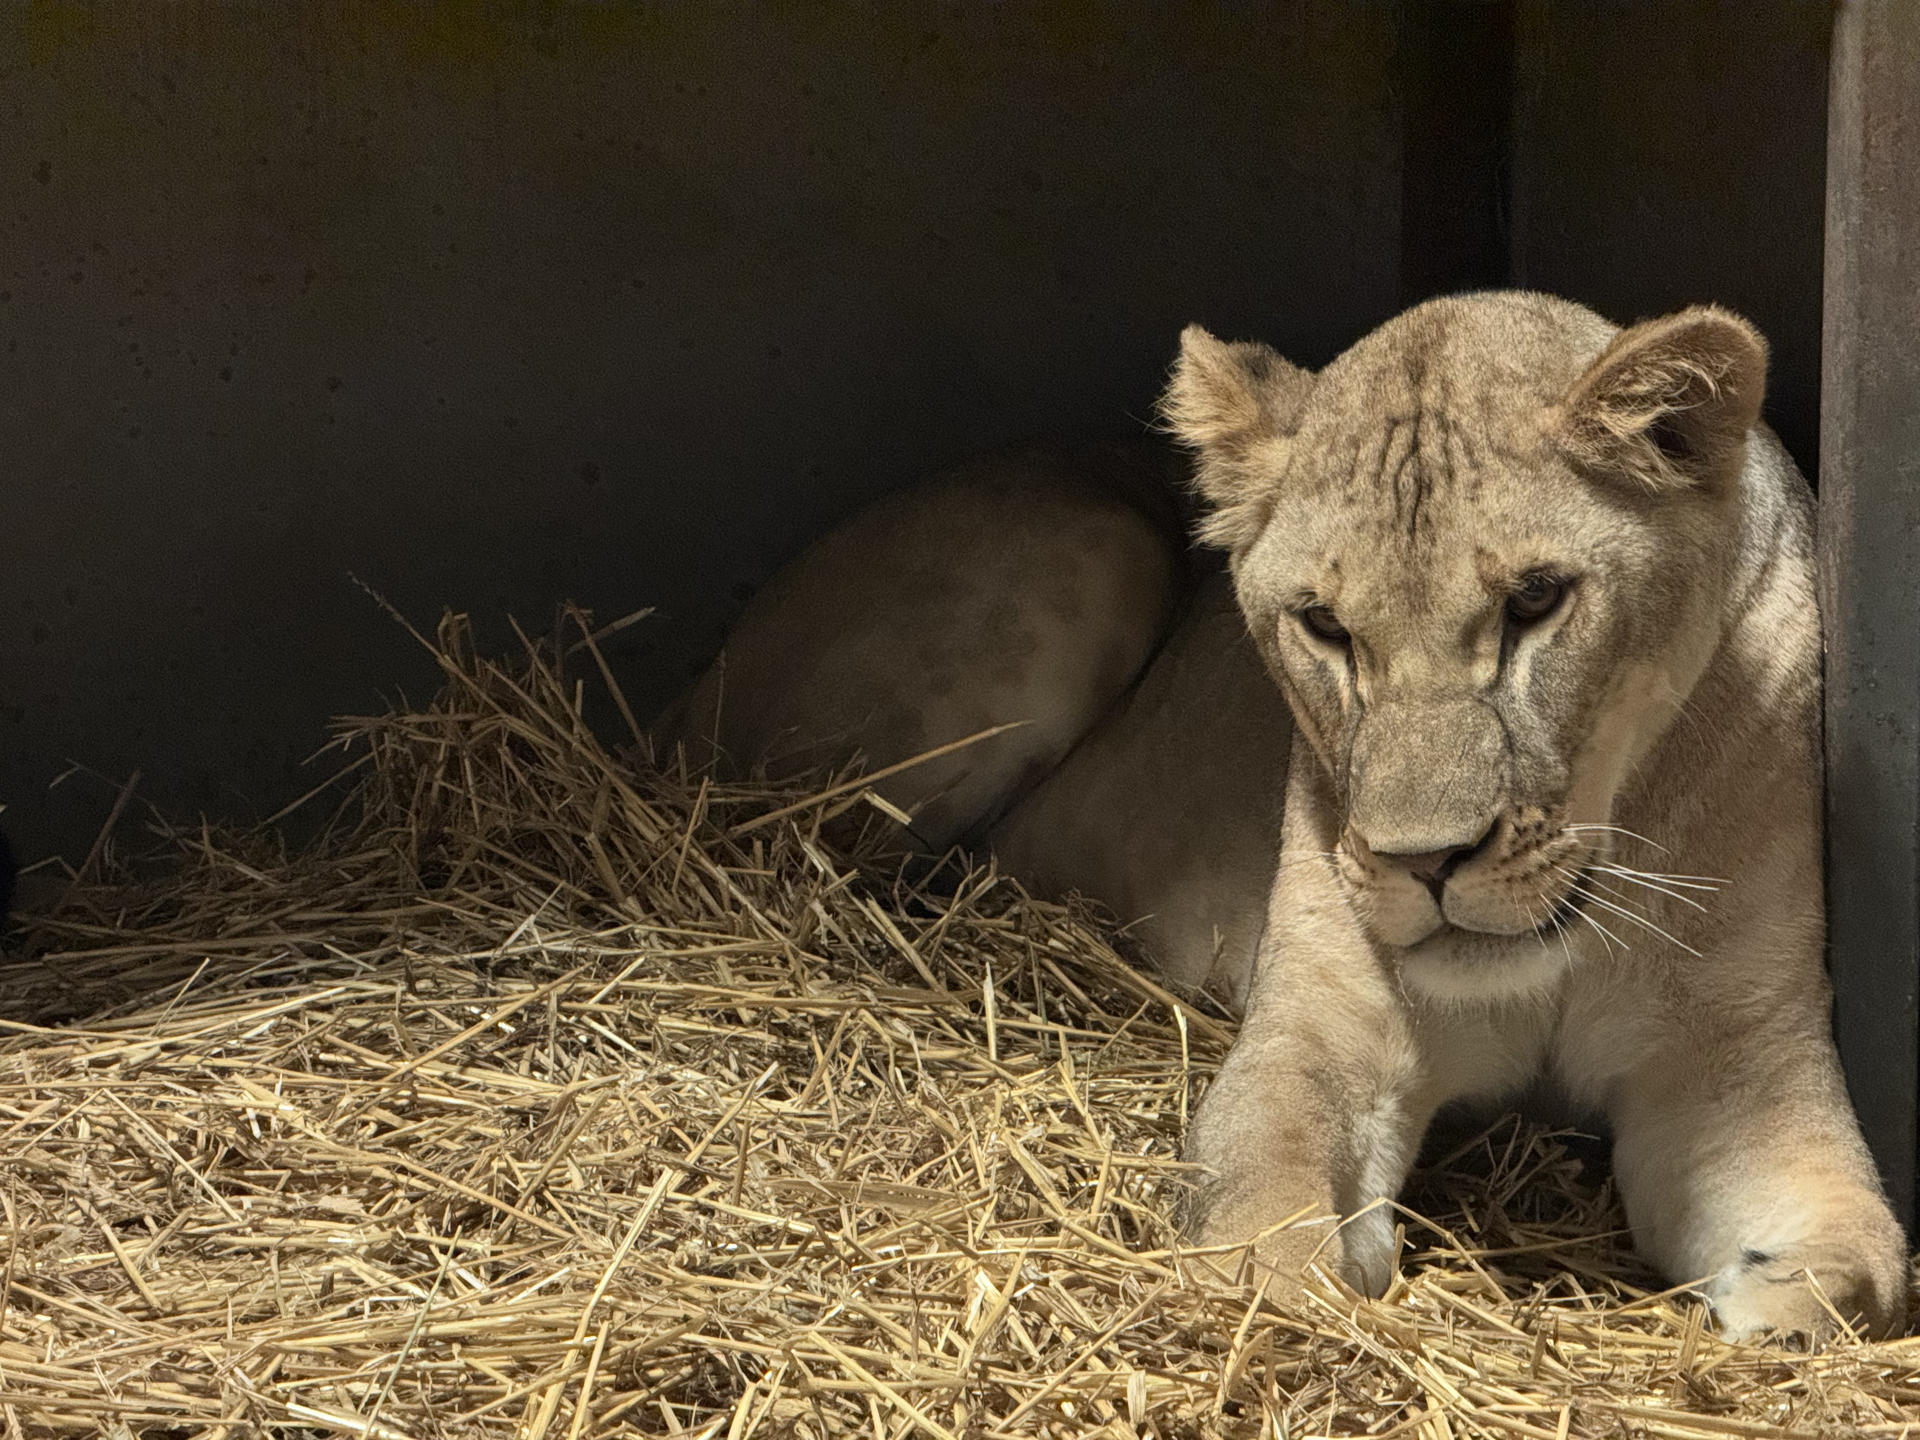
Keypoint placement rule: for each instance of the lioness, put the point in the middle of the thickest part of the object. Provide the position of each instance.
(1538, 595)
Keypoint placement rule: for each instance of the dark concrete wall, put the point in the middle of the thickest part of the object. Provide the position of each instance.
(1671, 151)
(625, 303)
(616, 302)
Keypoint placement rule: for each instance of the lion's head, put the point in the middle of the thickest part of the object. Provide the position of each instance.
(1486, 554)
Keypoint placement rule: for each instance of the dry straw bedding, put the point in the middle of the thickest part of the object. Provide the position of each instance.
(550, 1095)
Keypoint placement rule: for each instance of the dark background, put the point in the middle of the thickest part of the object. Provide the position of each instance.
(493, 306)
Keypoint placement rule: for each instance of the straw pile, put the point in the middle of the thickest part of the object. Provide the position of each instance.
(550, 1095)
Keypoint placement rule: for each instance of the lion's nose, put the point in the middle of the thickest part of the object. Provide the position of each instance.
(1432, 867)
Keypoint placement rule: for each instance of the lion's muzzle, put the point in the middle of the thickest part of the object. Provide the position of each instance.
(1433, 834)
(1426, 778)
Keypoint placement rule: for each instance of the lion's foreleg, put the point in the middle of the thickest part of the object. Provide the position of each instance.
(1742, 1167)
(1315, 1118)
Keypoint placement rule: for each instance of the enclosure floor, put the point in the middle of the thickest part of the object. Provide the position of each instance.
(550, 1095)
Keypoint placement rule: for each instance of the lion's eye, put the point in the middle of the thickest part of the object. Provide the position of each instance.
(1321, 621)
(1535, 598)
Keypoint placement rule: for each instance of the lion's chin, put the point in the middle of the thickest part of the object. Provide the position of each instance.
(1484, 955)
(1456, 965)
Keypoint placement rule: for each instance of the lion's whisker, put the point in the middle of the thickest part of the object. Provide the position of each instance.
(1625, 914)
(1634, 879)
(1607, 937)
(1540, 935)
(1559, 928)
(1688, 882)
(1618, 830)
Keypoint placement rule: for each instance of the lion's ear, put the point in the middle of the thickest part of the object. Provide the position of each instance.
(1670, 401)
(1234, 404)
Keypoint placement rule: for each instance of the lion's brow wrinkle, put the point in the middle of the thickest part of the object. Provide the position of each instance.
(1422, 479)
(1400, 452)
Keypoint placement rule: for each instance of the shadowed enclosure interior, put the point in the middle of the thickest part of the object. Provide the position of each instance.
(623, 304)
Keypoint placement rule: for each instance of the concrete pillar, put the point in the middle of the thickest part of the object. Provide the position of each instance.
(1870, 559)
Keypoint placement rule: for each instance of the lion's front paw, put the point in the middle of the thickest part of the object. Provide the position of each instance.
(1780, 1296)
(1281, 1260)
(1282, 1263)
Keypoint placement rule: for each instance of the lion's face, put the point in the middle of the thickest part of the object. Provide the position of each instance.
(1484, 553)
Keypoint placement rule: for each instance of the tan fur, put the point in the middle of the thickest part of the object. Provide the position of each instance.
(1673, 695)
(1462, 909)
(1169, 812)
(1025, 588)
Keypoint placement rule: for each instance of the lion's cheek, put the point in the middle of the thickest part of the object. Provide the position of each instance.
(1636, 708)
